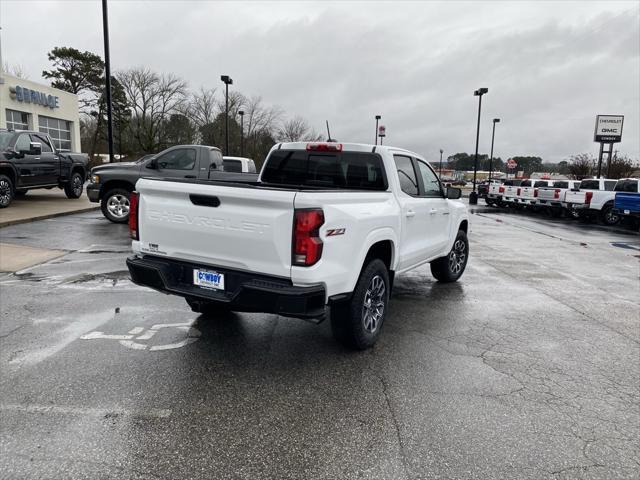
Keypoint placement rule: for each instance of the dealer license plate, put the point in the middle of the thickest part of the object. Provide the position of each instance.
(208, 279)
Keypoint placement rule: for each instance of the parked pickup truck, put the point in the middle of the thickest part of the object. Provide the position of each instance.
(553, 198)
(112, 183)
(527, 193)
(627, 198)
(509, 191)
(594, 198)
(324, 229)
(29, 160)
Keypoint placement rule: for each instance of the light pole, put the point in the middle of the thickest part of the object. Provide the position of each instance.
(440, 173)
(473, 196)
(493, 134)
(378, 117)
(107, 74)
(241, 113)
(227, 80)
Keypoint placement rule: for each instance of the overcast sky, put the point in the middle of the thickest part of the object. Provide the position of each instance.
(550, 66)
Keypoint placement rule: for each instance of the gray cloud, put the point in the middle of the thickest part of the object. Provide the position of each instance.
(550, 67)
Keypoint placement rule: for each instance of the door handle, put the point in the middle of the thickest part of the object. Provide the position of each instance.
(189, 176)
(410, 213)
(433, 211)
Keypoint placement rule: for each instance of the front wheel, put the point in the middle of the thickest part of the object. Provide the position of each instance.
(608, 216)
(450, 268)
(358, 322)
(115, 205)
(73, 188)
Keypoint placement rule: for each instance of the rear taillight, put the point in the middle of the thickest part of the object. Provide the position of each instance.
(501, 190)
(134, 198)
(587, 197)
(324, 147)
(535, 192)
(307, 245)
(556, 193)
(518, 192)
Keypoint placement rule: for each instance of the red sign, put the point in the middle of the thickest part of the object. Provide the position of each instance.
(511, 163)
(382, 131)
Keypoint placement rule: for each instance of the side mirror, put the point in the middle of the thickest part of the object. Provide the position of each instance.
(454, 193)
(35, 148)
(213, 166)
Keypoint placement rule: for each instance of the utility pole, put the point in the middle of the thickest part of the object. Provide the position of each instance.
(493, 134)
(440, 173)
(241, 113)
(227, 80)
(378, 117)
(107, 73)
(473, 196)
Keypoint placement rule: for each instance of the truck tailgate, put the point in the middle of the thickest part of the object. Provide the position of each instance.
(575, 197)
(627, 202)
(229, 226)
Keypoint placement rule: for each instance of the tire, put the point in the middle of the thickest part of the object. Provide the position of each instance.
(489, 202)
(6, 191)
(115, 205)
(450, 268)
(208, 309)
(74, 187)
(555, 212)
(608, 217)
(20, 193)
(357, 323)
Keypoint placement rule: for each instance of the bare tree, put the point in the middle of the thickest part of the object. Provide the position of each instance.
(260, 119)
(202, 106)
(153, 99)
(581, 165)
(17, 70)
(297, 129)
(622, 166)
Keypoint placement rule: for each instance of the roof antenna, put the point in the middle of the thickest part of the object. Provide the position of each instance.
(329, 139)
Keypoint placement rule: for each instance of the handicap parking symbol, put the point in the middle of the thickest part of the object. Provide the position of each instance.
(138, 338)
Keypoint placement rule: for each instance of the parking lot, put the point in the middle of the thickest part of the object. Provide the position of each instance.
(528, 367)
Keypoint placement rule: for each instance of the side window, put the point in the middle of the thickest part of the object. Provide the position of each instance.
(609, 185)
(430, 181)
(407, 175)
(178, 159)
(46, 148)
(215, 160)
(22, 144)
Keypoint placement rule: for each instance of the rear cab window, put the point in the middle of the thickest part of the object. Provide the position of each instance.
(232, 166)
(561, 184)
(627, 186)
(347, 170)
(590, 185)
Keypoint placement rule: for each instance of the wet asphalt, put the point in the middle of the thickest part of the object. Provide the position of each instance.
(528, 367)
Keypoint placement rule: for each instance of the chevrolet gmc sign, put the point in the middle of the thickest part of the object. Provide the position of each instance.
(608, 128)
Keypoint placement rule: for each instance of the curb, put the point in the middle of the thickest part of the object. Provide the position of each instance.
(9, 223)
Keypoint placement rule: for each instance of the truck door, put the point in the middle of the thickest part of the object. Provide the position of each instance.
(27, 162)
(210, 161)
(436, 236)
(177, 163)
(49, 162)
(415, 214)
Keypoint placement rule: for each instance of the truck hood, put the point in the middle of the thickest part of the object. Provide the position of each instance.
(111, 166)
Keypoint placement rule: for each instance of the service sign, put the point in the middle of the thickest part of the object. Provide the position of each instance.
(608, 128)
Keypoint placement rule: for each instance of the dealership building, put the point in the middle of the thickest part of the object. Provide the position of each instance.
(27, 105)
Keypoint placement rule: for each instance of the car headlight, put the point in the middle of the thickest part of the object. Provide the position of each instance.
(95, 178)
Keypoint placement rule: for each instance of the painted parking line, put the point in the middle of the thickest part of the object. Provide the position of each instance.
(137, 334)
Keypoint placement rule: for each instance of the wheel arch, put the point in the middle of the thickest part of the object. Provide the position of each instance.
(10, 171)
(111, 184)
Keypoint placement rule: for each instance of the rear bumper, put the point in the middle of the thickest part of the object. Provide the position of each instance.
(625, 212)
(244, 292)
(93, 192)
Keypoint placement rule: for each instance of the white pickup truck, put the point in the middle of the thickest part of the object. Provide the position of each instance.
(594, 197)
(527, 193)
(509, 191)
(554, 198)
(324, 229)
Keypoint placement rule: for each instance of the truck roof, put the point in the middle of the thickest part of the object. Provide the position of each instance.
(347, 147)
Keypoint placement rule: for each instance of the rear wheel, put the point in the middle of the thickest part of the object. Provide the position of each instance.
(358, 322)
(115, 205)
(450, 268)
(6, 191)
(73, 188)
(608, 216)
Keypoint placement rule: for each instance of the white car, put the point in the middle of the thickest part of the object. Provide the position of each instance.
(238, 165)
(326, 228)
